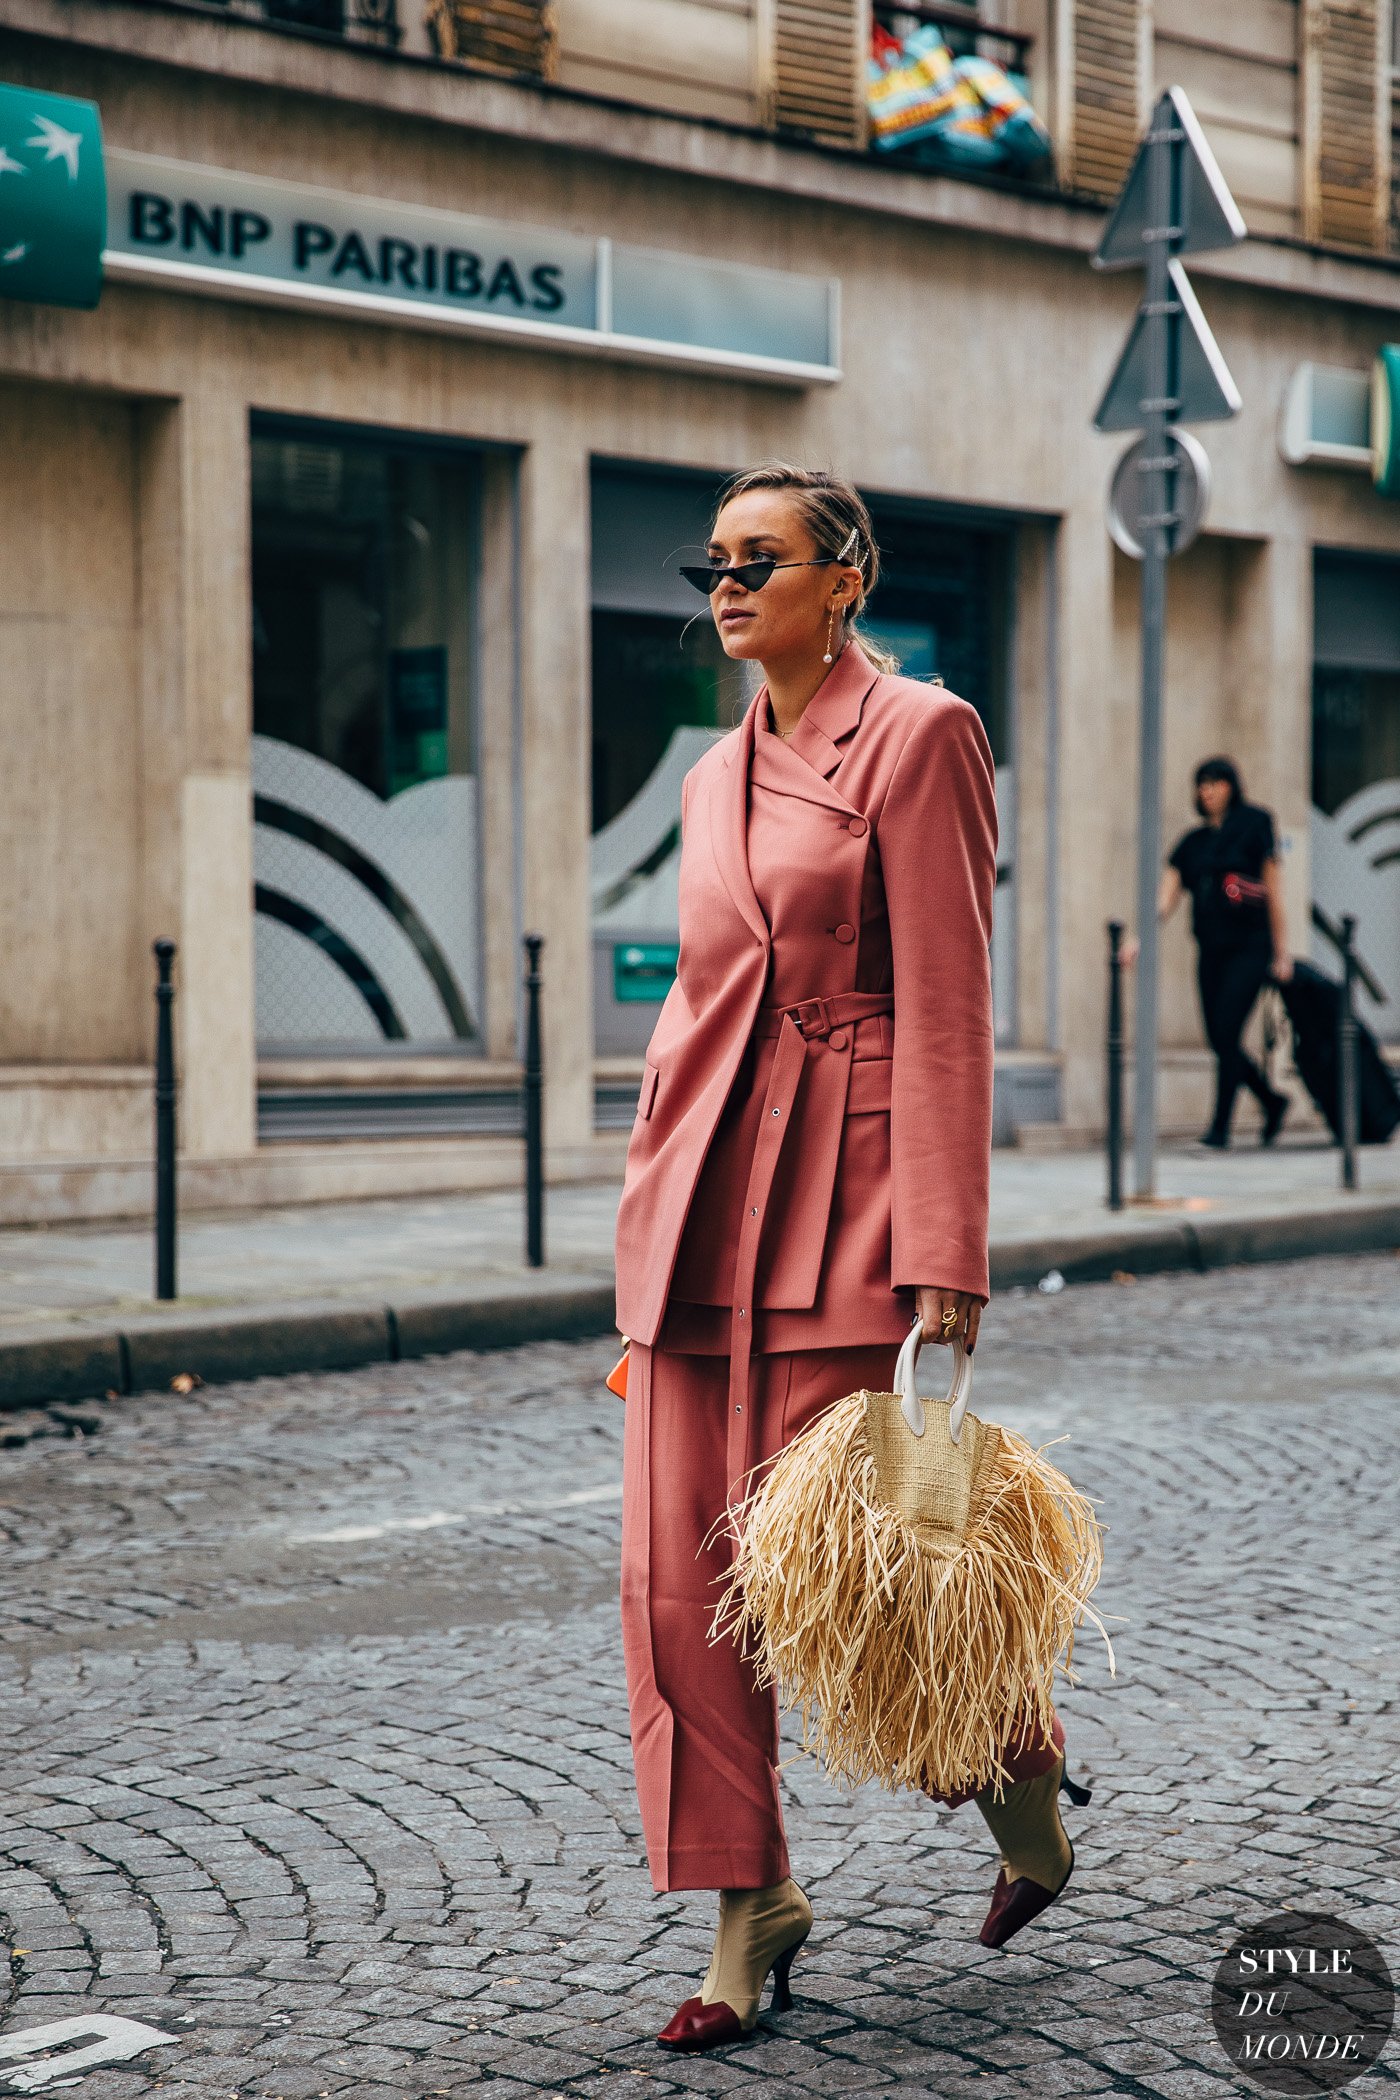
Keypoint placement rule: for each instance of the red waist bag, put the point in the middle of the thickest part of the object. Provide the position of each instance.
(1243, 889)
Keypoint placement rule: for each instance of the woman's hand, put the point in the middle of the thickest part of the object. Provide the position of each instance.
(1169, 895)
(934, 1304)
(1282, 967)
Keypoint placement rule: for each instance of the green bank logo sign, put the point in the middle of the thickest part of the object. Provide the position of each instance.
(244, 236)
(53, 202)
(1385, 420)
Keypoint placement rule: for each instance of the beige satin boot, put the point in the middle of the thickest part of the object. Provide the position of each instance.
(759, 1930)
(1037, 1857)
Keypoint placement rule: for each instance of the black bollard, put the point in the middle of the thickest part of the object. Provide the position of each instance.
(165, 1121)
(534, 1107)
(1115, 1065)
(1348, 1096)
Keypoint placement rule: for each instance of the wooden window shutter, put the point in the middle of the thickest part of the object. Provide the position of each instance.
(1346, 122)
(1104, 69)
(510, 36)
(816, 81)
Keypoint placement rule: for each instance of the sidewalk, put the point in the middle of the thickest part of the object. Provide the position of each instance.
(329, 1285)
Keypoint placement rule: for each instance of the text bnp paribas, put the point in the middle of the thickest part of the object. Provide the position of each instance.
(387, 263)
(209, 223)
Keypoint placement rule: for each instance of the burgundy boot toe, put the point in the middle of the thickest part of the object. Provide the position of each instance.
(1015, 1903)
(696, 2025)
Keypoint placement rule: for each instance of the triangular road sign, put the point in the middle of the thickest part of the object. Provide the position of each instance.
(1206, 213)
(1201, 389)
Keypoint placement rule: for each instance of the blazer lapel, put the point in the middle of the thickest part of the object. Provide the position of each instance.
(834, 710)
(803, 763)
(729, 824)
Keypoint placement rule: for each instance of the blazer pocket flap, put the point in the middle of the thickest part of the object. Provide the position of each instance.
(870, 1086)
(650, 1075)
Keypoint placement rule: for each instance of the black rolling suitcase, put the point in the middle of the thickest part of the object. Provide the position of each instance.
(1313, 1001)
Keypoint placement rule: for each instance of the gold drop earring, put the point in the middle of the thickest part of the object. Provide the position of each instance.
(830, 623)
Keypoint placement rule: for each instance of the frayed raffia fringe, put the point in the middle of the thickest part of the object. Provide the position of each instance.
(910, 1658)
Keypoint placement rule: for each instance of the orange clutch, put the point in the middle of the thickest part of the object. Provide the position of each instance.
(617, 1377)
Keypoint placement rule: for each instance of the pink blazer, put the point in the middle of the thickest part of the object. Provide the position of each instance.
(884, 885)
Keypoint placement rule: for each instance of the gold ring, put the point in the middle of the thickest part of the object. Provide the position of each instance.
(950, 1319)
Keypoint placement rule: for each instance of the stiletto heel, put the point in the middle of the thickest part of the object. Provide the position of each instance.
(760, 1930)
(781, 2000)
(1081, 1796)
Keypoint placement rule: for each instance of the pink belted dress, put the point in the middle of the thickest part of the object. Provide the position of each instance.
(812, 1141)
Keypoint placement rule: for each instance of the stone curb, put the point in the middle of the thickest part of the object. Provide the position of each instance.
(1197, 1243)
(261, 1342)
(268, 1341)
(142, 1355)
(68, 1366)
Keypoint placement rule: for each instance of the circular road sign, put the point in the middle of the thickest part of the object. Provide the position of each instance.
(1128, 494)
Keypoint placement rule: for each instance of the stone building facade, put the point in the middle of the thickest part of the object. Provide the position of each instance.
(340, 635)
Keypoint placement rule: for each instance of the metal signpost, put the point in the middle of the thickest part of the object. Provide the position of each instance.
(1173, 202)
(165, 1121)
(534, 1106)
(1348, 1077)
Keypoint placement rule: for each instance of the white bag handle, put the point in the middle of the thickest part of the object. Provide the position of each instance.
(959, 1392)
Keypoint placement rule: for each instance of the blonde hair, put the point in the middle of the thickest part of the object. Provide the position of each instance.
(834, 513)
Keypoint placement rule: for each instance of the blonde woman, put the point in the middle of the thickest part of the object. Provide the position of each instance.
(809, 1164)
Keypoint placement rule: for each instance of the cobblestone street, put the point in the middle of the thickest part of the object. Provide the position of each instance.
(313, 1722)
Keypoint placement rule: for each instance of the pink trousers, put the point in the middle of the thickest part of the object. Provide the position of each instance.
(704, 1735)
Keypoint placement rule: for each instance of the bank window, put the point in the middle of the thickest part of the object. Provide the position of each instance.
(1356, 732)
(366, 807)
(360, 634)
(662, 690)
(1355, 820)
(941, 606)
(657, 668)
(647, 684)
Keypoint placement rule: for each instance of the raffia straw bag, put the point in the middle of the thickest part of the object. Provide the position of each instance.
(910, 1578)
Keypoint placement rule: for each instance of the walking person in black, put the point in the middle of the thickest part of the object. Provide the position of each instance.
(1230, 866)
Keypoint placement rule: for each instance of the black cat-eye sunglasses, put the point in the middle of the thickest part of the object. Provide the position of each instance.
(751, 574)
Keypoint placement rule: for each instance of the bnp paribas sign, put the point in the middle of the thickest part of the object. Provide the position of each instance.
(220, 233)
(53, 198)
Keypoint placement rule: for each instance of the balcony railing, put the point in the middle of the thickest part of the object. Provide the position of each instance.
(521, 40)
(962, 28)
(358, 21)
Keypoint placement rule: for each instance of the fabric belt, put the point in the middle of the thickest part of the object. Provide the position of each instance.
(806, 1021)
(815, 1019)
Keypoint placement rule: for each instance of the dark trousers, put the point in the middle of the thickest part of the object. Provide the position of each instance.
(1230, 981)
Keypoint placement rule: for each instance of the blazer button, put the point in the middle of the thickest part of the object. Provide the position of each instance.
(838, 1041)
(844, 933)
(857, 827)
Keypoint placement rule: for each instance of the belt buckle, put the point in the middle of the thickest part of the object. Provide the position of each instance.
(810, 1016)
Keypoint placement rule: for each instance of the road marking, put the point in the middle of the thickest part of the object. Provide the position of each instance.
(113, 2041)
(356, 1534)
